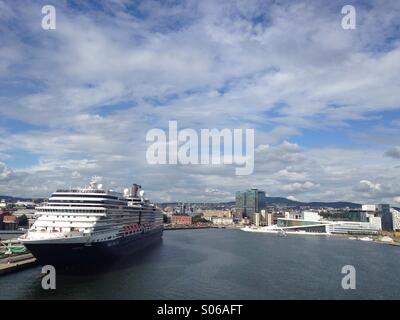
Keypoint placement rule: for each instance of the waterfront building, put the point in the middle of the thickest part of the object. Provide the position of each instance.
(375, 222)
(369, 207)
(240, 203)
(3, 204)
(181, 219)
(25, 204)
(310, 221)
(350, 227)
(396, 219)
(28, 213)
(250, 202)
(305, 215)
(10, 222)
(217, 213)
(268, 221)
(386, 215)
(380, 210)
(222, 220)
(266, 218)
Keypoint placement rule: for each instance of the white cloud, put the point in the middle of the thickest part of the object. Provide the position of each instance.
(91, 87)
(285, 174)
(299, 187)
(370, 186)
(396, 199)
(5, 172)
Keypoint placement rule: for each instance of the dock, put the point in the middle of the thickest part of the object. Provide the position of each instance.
(11, 234)
(187, 227)
(16, 263)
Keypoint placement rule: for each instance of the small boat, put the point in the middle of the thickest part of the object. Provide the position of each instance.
(282, 233)
(386, 239)
(366, 239)
(9, 247)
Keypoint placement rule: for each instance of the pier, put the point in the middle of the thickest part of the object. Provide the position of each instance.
(11, 234)
(188, 227)
(17, 262)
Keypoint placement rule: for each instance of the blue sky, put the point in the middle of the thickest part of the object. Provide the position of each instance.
(324, 102)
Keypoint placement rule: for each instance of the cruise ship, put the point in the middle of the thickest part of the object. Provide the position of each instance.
(84, 224)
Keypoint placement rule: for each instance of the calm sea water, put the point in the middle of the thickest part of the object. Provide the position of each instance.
(227, 264)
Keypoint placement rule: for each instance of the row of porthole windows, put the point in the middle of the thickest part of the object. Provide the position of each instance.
(61, 228)
(115, 202)
(103, 239)
(88, 217)
(71, 222)
(70, 210)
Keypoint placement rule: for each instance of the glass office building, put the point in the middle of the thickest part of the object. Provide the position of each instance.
(386, 216)
(250, 202)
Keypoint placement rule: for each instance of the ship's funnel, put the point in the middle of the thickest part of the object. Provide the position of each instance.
(135, 189)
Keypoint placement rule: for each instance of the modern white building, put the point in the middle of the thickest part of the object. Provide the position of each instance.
(222, 220)
(396, 219)
(269, 219)
(3, 204)
(352, 227)
(381, 210)
(369, 207)
(25, 204)
(311, 221)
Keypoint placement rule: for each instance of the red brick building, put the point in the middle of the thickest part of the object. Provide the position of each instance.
(181, 219)
(8, 221)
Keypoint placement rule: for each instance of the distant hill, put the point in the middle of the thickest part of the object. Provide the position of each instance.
(337, 204)
(15, 199)
(281, 202)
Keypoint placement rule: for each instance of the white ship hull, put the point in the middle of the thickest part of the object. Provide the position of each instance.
(278, 230)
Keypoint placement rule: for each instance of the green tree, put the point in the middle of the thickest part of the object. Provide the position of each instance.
(22, 221)
(199, 219)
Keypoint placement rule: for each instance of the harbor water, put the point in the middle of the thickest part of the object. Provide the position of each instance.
(226, 264)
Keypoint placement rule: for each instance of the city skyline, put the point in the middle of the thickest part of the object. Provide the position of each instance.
(324, 102)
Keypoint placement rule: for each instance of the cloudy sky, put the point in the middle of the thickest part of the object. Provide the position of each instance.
(324, 102)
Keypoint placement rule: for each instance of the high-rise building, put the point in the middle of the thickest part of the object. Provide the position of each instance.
(250, 202)
(383, 211)
(386, 216)
(396, 219)
(268, 219)
(240, 203)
